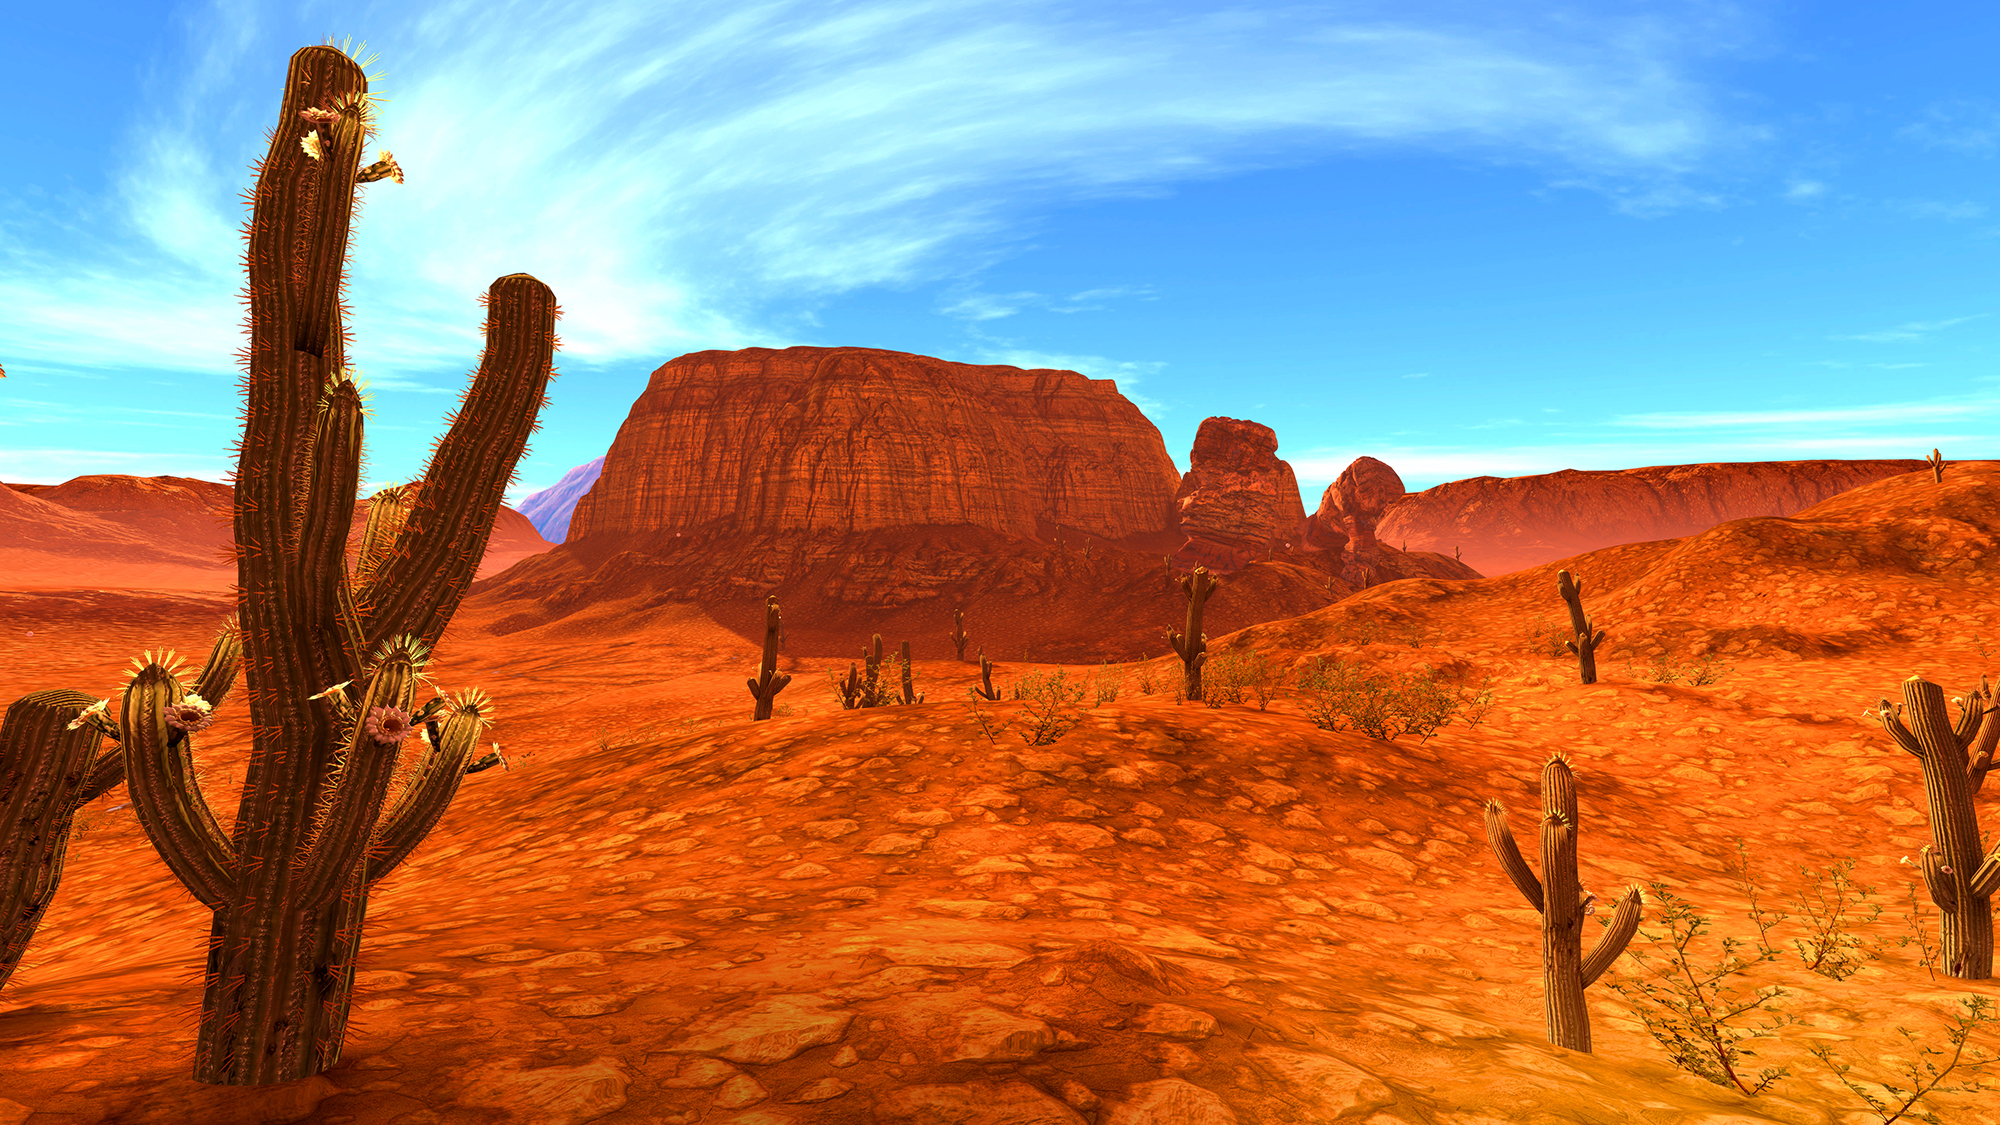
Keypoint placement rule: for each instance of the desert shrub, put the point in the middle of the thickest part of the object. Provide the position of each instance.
(1664, 669)
(1107, 687)
(1381, 705)
(1146, 681)
(1546, 638)
(1051, 709)
(1228, 676)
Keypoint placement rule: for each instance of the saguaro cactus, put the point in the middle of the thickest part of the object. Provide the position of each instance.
(850, 688)
(332, 662)
(1585, 645)
(986, 689)
(769, 681)
(910, 693)
(1955, 761)
(1193, 644)
(50, 769)
(1937, 466)
(1566, 972)
(958, 637)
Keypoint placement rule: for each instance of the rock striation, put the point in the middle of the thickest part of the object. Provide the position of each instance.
(549, 510)
(1506, 524)
(805, 440)
(1238, 499)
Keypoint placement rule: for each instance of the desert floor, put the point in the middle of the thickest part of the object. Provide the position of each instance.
(1174, 915)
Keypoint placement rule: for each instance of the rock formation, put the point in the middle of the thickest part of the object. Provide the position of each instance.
(549, 510)
(1352, 506)
(853, 439)
(1238, 501)
(1506, 524)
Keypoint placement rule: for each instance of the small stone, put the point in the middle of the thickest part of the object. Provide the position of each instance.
(1262, 856)
(740, 1091)
(1251, 874)
(1201, 831)
(806, 871)
(700, 1073)
(991, 865)
(1147, 808)
(892, 844)
(990, 1035)
(929, 818)
(828, 829)
(846, 1056)
(853, 894)
(824, 1090)
(1124, 777)
(1170, 1101)
(1175, 1022)
(1299, 818)
(1145, 837)
(1081, 837)
(973, 908)
(1078, 1095)
(989, 797)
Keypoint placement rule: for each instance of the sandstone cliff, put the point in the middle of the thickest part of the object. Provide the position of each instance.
(853, 439)
(1238, 500)
(1506, 524)
(549, 510)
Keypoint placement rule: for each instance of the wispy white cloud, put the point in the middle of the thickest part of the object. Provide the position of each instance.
(1968, 125)
(1801, 190)
(1876, 415)
(670, 170)
(976, 306)
(1910, 330)
(1938, 209)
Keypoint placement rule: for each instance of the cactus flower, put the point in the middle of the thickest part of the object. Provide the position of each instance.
(93, 709)
(387, 725)
(191, 714)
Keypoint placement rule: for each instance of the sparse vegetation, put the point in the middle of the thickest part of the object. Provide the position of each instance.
(1051, 709)
(1228, 676)
(1547, 638)
(1107, 686)
(1146, 681)
(1688, 1010)
(1665, 670)
(1383, 705)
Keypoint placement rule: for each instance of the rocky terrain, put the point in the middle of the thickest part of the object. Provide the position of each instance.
(1172, 915)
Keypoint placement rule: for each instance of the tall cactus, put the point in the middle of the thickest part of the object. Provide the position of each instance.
(910, 692)
(1955, 762)
(1936, 463)
(333, 661)
(769, 682)
(50, 769)
(1585, 645)
(957, 634)
(1193, 644)
(1566, 972)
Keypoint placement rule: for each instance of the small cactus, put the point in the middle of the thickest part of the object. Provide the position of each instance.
(910, 694)
(1585, 644)
(1193, 644)
(958, 637)
(986, 689)
(769, 681)
(1937, 466)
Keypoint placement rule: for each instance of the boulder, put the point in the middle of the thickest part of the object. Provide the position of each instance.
(1238, 500)
(806, 440)
(1352, 506)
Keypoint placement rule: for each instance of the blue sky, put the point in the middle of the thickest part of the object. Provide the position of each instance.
(1502, 238)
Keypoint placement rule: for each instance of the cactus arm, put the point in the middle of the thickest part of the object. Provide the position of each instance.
(166, 799)
(1613, 940)
(323, 511)
(1986, 879)
(43, 757)
(1889, 715)
(1943, 894)
(1501, 837)
(986, 689)
(351, 802)
(1979, 730)
(420, 585)
(217, 679)
(445, 754)
(388, 509)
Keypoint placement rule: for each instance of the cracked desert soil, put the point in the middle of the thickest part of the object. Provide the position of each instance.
(1174, 915)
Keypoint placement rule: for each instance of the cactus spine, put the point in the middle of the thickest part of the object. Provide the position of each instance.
(1955, 761)
(1565, 971)
(958, 637)
(910, 693)
(769, 682)
(316, 828)
(1193, 644)
(1585, 645)
(1937, 466)
(50, 769)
